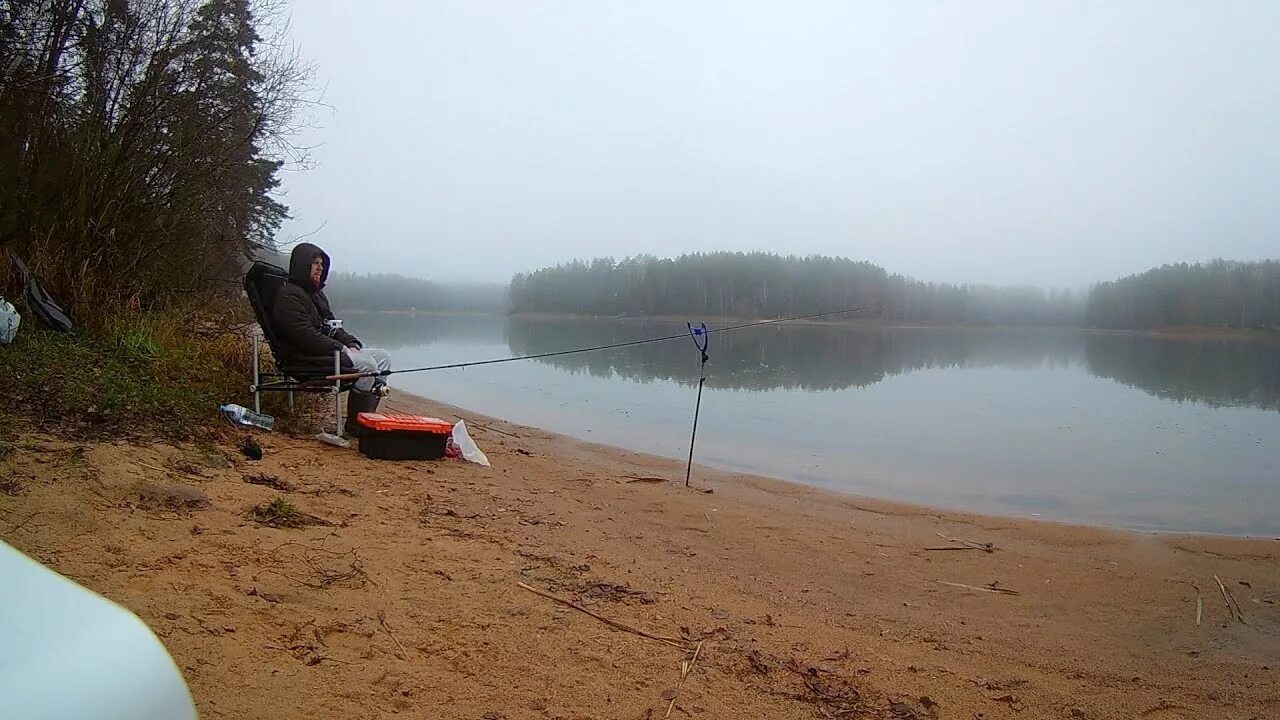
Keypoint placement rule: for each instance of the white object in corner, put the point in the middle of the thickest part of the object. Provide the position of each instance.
(66, 652)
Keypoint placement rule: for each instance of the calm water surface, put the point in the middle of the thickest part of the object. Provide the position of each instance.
(1108, 429)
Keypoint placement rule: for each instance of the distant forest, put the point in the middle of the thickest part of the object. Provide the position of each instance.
(1217, 294)
(1220, 293)
(349, 291)
(767, 285)
(389, 291)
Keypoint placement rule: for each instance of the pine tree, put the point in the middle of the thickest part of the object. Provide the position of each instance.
(225, 116)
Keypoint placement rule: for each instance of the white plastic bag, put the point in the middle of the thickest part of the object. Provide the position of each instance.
(9, 320)
(470, 451)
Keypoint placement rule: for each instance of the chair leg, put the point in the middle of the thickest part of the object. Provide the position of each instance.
(257, 396)
(337, 393)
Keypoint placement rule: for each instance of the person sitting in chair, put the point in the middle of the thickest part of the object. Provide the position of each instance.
(311, 334)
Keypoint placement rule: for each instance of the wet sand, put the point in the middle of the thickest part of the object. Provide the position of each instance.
(800, 603)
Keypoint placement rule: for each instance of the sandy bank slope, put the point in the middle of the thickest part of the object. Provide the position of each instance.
(810, 604)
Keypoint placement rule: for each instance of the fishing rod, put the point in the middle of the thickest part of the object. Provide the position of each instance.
(343, 377)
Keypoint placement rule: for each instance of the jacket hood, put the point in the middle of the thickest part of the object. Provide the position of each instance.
(300, 265)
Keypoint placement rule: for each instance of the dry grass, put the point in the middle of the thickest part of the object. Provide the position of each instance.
(160, 373)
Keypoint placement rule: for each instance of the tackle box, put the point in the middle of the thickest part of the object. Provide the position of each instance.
(397, 436)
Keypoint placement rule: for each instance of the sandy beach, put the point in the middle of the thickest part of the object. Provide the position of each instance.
(421, 589)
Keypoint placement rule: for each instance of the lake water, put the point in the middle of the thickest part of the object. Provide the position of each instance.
(1108, 429)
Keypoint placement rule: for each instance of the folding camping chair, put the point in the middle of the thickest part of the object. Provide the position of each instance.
(261, 284)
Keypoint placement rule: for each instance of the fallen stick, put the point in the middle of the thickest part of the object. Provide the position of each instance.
(1223, 588)
(322, 658)
(645, 478)
(1232, 607)
(1199, 603)
(1239, 610)
(985, 547)
(13, 530)
(983, 588)
(382, 619)
(685, 669)
(673, 642)
(152, 467)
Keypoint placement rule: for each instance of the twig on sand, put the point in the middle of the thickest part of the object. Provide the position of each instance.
(382, 620)
(985, 547)
(1199, 603)
(13, 530)
(151, 467)
(645, 479)
(325, 575)
(1232, 606)
(686, 667)
(1225, 599)
(673, 642)
(983, 588)
(325, 658)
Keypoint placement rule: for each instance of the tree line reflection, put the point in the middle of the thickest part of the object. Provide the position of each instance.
(1213, 372)
(835, 357)
(803, 357)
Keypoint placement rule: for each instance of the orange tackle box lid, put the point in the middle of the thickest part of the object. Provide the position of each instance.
(402, 421)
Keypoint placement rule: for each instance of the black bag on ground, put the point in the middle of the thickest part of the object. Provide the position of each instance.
(43, 307)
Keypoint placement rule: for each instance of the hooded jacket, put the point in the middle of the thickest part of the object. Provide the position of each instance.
(300, 311)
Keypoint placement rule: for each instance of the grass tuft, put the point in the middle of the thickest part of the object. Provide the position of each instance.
(281, 513)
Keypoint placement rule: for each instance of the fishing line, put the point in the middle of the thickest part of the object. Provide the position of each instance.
(594, 348)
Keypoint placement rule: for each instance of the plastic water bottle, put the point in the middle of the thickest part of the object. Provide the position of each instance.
(241, 415)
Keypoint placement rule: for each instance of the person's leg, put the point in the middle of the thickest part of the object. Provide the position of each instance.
(381, 361)
(363, 362)
(362, 397)
(359, 402)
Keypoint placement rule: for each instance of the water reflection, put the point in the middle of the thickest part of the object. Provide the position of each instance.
(804, 357)
(835, 357)
(1213, 372)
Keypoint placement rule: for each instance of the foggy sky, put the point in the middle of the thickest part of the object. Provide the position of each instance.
(1053, 143)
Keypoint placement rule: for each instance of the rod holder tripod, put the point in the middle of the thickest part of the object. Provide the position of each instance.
(701, 339)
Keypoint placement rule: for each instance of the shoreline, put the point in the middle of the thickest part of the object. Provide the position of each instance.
(417, 404)
(408, 597)
(403, 401)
